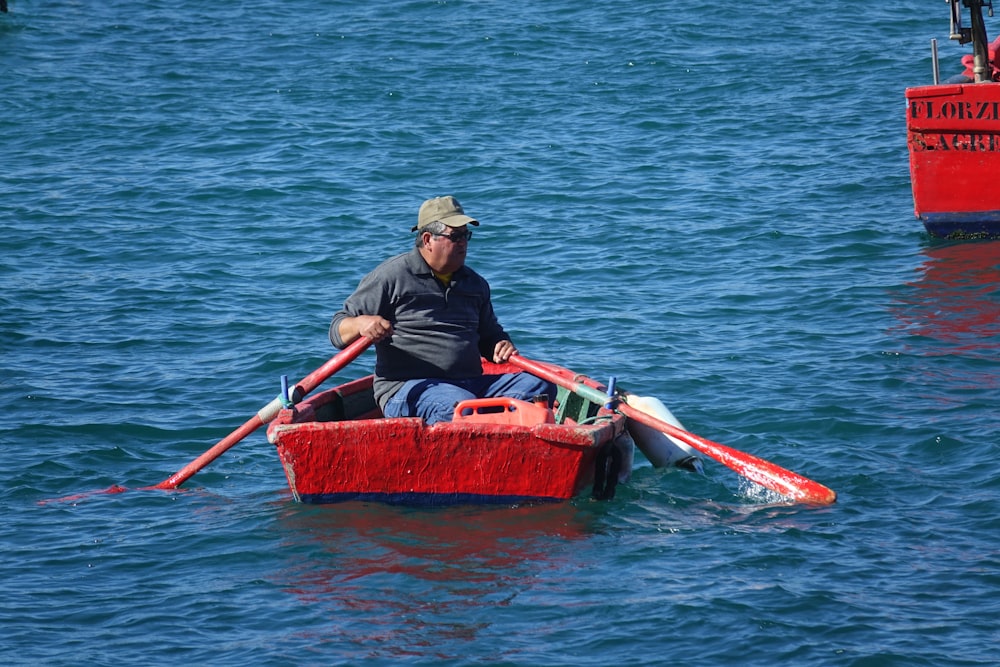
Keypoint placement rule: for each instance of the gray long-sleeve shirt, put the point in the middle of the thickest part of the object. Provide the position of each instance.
(438, 331)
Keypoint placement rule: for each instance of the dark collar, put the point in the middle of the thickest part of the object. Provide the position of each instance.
(418, 266)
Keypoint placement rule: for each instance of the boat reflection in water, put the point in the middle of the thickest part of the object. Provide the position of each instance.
(386, 577)
(956, 301)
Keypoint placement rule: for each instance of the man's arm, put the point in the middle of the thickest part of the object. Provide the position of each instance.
(349, 329)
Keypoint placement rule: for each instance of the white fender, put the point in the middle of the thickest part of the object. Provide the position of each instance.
(661, 449)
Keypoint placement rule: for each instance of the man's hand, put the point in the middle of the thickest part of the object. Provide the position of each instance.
(503, 350)
(372, 327)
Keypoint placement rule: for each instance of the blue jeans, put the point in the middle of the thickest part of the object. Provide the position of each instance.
(435, 399)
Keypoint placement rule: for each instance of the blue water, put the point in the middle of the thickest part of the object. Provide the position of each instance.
(710, 202)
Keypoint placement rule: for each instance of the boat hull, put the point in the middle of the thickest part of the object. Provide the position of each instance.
(336, 446)
(953, 139)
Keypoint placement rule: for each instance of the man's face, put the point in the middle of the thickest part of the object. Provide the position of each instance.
(446, 252)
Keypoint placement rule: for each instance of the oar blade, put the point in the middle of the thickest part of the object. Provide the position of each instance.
(765, 473)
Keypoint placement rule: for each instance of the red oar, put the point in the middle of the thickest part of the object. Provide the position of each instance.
(263, 416)
(765, 473)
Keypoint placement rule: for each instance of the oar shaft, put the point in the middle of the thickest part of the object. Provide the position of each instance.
(332, 365)
(762, 472)
(267, 413)
(543, 371)
(185, 473)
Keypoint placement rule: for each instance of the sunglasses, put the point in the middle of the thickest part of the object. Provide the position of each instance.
(457, 237)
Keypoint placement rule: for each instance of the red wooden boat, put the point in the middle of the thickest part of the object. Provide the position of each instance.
(337, 446)
(953, 136)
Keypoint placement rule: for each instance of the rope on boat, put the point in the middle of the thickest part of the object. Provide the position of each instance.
(607, 467)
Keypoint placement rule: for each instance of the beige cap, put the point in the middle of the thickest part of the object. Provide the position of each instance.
(443, 209)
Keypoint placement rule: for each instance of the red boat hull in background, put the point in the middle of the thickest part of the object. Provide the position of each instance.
(953, 136)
